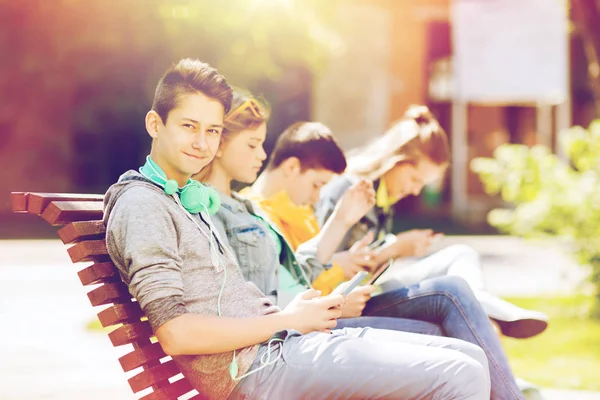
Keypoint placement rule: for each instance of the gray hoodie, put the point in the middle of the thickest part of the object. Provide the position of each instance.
(164, 258)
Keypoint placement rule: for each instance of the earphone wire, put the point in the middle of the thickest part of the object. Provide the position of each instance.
(264, 361)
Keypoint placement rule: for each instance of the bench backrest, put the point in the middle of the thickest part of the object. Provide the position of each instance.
(80, 215)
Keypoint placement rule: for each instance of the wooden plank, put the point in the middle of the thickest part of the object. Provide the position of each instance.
(90, 250)
(120, 313)
(19, 201)
(103, 272)
(116, 293)
(173, 391)
(63, 212)
(153, 376)
(38, 202)
(130, 333)
(141, 356)
(81, 230)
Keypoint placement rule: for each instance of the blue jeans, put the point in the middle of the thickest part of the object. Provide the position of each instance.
(449, 302)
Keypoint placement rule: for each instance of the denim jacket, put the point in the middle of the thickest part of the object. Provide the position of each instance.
(376, 219)
(246, 232)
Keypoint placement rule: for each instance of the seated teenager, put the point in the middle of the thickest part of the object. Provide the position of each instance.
(263, 253)
(228, 338)
(413, 153)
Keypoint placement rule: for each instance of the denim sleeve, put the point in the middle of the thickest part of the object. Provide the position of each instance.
(324, 208)
(330, 195)
(218, 224)
(306, 256)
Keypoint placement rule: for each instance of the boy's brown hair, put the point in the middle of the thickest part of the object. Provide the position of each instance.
(313, 144)
(186, 77)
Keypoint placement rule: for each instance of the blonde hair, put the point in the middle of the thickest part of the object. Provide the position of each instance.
(247, 113)
(417, 136)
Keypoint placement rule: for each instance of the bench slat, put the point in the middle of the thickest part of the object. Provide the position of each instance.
(173, 391)
(107, 293)
(82, 230)
(19, 201)
(141, 356)
(120, 313)
(83, 216)
(63, 212)
(153, 375)
(37, 202)
(130, 333)
(90, 250)
(103, 272)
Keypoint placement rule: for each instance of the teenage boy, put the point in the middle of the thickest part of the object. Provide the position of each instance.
(306, 156)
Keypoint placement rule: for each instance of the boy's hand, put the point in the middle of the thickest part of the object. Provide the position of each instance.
(355, 202)
(356, 301)
(309, 312)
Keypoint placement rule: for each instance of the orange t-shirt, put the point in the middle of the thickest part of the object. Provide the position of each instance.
(298, 224)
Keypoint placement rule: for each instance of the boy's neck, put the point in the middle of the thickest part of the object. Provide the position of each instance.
(169, 171)
(269, 183)
(219, 180)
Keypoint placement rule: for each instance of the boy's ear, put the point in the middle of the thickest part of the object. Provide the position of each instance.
(291, 166)
(153, 121)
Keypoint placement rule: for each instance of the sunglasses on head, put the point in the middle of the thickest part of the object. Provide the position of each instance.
(249, 104)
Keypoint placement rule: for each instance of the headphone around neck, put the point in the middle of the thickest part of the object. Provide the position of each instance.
(194, 196)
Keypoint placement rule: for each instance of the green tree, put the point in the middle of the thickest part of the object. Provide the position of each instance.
(551, 197)
(79, 75)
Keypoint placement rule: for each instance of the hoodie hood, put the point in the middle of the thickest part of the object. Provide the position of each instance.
(126, 181)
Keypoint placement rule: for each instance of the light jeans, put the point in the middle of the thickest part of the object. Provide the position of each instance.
(449, 302)
(361, 363)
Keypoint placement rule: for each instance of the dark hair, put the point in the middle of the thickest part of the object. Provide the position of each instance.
(186, 77)
(313, 144)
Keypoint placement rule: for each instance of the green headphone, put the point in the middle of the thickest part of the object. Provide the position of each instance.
(194, 196)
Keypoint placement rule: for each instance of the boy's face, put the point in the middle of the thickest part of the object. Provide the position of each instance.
(189, 139)
(305, 187)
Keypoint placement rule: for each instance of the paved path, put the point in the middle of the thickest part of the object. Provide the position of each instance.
(48, 354)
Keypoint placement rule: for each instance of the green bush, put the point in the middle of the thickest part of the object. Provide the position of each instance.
(551, 197)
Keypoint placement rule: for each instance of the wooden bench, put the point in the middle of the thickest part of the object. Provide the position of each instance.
(82, 230)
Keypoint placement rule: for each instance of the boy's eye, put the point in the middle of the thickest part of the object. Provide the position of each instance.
(189, 126)
(252, 146)
(214, 131)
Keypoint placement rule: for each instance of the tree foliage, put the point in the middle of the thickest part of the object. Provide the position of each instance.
(79, 75)
(552, 197)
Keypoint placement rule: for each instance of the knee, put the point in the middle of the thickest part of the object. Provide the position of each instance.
(462, 251)
(472, 382)
(476, 353)
(452, 285)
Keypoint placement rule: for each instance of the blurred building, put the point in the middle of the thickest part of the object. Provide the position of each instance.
(399, 53)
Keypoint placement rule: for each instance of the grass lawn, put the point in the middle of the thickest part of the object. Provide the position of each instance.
(567, 354)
